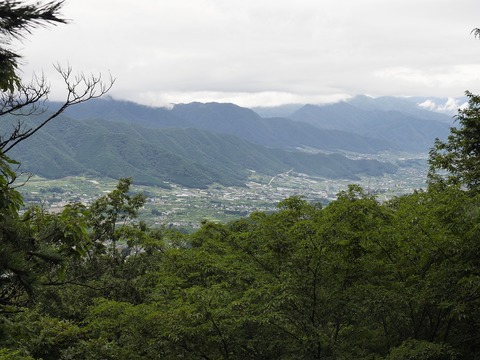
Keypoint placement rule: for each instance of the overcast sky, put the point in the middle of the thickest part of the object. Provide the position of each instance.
(264, 52)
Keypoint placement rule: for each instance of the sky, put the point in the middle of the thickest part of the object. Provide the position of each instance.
(263, 52)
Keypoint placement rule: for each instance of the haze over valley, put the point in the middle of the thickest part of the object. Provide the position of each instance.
(203, 152)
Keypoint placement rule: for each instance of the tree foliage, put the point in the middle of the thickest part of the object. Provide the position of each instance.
(356, 279)
(35, 245)
(16, 20)
(457, 160)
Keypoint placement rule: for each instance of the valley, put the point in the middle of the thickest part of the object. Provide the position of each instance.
(219, 162)
(185, 208)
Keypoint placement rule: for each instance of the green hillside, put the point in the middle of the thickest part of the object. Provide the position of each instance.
(189, 157)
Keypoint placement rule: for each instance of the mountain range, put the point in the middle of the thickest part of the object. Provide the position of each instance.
(403, 131)
(198, 144)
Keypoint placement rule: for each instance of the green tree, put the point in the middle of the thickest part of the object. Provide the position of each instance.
(36, 243)
(457, 160)
(356, 279)
(116, 208)
(65, 268)
(35, 249)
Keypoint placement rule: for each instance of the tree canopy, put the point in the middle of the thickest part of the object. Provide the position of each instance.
(357, 279)
(457, 160)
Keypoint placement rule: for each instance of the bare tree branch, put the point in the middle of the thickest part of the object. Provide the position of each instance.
(30, 101)
(476, 32)
(27, 100)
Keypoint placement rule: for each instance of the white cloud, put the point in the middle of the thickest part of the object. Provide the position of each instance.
(428, 105)
(271, 50)
(450, 106)
(246, 99)
(437, 79)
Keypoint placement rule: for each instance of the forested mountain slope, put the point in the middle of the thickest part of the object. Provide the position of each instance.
(363, 124)
(404, 131)
(199, 144)
(234, 120)
(190, 157)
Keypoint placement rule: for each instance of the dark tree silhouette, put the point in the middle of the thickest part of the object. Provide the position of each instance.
(17, 20)
(476, 32)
